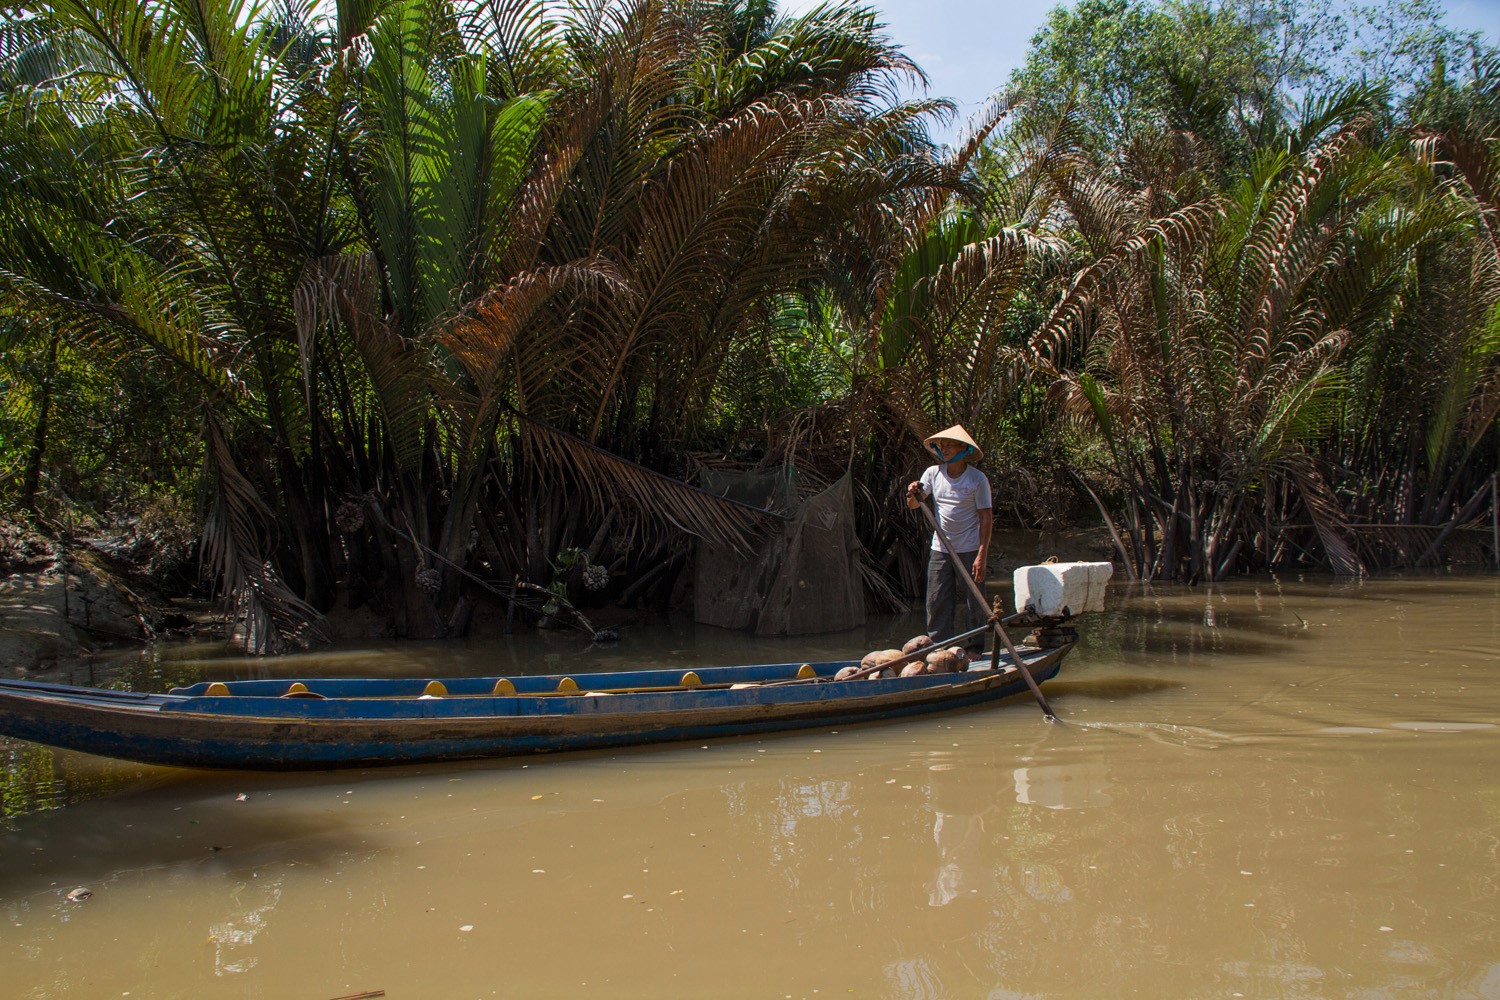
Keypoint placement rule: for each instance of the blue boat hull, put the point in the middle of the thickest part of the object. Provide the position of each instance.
(271, 725)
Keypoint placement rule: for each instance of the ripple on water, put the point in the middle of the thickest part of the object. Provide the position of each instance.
(1443, 727)
(1170, 734)
(1417, 727)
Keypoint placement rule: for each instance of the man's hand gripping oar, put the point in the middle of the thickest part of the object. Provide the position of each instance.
(1000, 633)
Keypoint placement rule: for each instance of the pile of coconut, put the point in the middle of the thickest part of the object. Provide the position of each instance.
(952, 660)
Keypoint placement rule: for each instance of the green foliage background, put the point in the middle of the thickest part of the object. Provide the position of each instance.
(392, 302)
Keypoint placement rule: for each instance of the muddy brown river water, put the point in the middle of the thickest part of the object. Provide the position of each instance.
(1260, 790)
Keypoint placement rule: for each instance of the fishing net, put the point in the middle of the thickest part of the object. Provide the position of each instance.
(805, 579)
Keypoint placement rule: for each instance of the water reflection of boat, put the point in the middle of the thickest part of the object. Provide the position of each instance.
(281, 725)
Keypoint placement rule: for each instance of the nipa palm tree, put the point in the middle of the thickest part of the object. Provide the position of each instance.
(1209, 345)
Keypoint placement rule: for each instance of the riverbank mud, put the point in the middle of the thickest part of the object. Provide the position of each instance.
(62, 608)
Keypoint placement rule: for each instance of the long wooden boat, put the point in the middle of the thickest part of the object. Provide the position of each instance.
(328, 723)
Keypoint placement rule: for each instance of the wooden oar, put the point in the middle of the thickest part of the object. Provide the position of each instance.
(963, 572)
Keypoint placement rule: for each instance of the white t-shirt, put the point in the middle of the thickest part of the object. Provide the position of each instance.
(957, 503)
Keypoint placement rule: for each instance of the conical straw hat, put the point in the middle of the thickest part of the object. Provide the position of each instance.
(957, 433)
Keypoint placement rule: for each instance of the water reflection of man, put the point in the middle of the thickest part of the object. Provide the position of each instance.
(955, 837)
(958, 834)
(962, 505)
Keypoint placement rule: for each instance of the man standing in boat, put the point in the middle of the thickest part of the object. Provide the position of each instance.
(961, 499)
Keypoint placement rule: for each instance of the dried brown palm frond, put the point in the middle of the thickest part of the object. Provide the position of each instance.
(1178, 232)
(1471, 149)
(1166, 170)
(482, 342)
(954, 320)
(899, 399)
(567, 463)
(1326, 514)
(979, 130)
(665, 220)
(345, 292)
(1019, 169)
(238, 545)
(577, 116)
(707, 252)
(616, 127)
(484, 338)
(814, 441)
(1282, 251)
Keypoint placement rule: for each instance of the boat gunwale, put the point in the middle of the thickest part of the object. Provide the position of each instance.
(337, 727)
(617, 682)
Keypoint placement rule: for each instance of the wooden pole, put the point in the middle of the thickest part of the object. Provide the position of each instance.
(995, 650)
(963, 572)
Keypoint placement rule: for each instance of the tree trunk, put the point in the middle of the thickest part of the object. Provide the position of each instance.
(32, 479)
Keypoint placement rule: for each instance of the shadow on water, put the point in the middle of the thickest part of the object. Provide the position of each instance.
(211, 822)
(1255, 618)
(1129, 631)
(34, 778)
(162, 827)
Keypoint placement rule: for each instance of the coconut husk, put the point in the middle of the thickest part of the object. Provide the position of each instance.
(943, 661)
(916, 642)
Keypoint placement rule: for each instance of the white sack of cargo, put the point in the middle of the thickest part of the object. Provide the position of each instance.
(1070, 588)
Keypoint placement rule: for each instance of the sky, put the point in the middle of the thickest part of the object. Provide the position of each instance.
(969, 47)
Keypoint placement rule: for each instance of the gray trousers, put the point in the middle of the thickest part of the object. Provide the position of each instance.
(945, 592)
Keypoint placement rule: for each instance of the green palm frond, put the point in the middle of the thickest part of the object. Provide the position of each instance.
(834, 48)
(1302, 412)
(519, 37)
(1333, 110)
